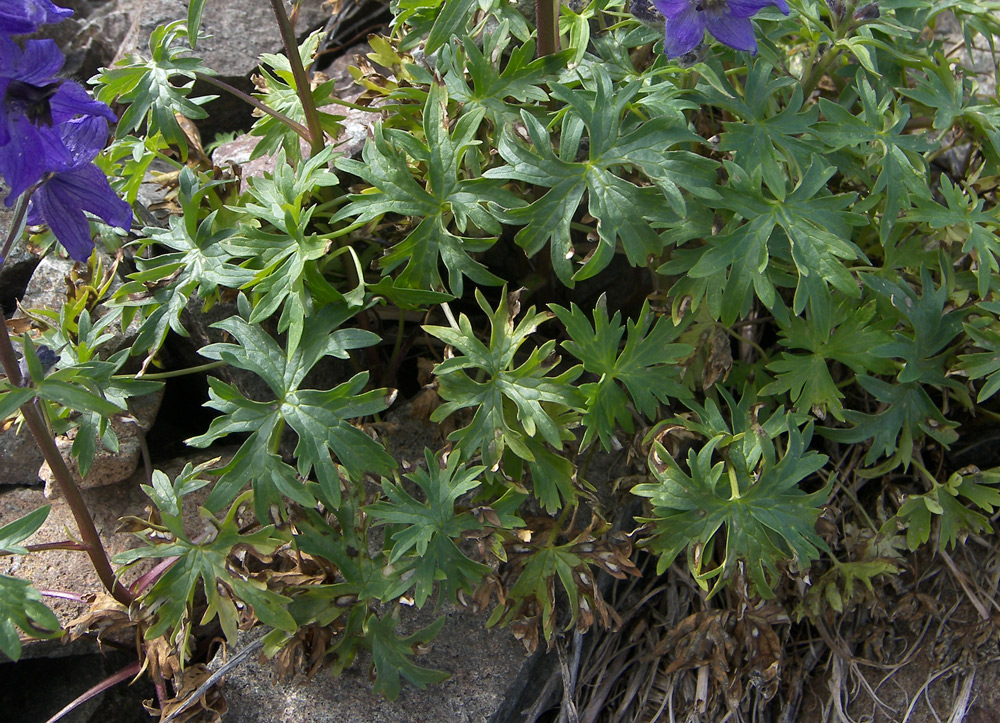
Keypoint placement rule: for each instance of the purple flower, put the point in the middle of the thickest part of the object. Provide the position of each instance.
(76, 187)
(33, 105)
(24, 16)
(727, 20)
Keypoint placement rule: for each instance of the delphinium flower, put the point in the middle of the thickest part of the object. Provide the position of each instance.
(77, 186)
(18, 17)
(727, 20)
(50, 132)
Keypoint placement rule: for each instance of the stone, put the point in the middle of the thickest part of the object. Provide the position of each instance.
(62, 571)
(47, 290)
(484, 665)
(108, 467)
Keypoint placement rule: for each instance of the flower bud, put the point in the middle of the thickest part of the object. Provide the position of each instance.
(836, 9)
(867, 12)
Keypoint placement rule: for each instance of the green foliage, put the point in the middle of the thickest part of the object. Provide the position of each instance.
(647, 366)
(448, 196)
(623, 209)
(21, 607)
(204, 565)
(319, 418)
(955, 518)
(810, 230)
(518, 406)
(145, 85)
(427, 532)
(751, 499)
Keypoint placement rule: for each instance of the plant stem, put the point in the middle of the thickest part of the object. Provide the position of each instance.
(175, 373)
(70, 491)
(302, 87)
(262, 107)
(547, 21)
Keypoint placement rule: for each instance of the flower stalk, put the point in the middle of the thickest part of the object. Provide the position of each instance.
(547, 19)
(302, 86)
(70, 490)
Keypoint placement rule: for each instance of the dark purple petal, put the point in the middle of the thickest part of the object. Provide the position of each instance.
(734, 32)
(18, 17)
(683, 33)
(84, 138)
(749, 8)
(30, 153)
(37, 63)
(672, 8)
(72, 100)
(62, 199)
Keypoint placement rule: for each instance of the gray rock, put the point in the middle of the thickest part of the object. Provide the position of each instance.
(483, 665)
(109, 467)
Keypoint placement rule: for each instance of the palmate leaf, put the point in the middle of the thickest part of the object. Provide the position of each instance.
(280, 93)
(765, 517)
(447, 198)
(391, 654)
(285, 256)
(956, 519)
(881, 138)
(424, 533)
(909, 413)
(847, 336)
(984, 363)
(146, 85)
(776, 142)
(967, 222)
(197, 262)
(319, 418)
(624, 210)
(513, 402)
(931, 328)
(489, 86)
(809, 230)
(646, 366)
(205, 565)
(21, 607)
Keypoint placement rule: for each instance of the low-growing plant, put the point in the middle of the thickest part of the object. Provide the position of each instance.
(793, 222)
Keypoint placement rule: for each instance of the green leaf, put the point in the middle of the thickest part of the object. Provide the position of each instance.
(148, 87)
(448, 199)
(966, 221)
(21, 607)
(625, 211)
(908, 413)
(764, 518)
(956, 520)
(391, 654)
(452, 17)
(885, 147)
(197, 263)
(319, 418)
(647, 367)
(21, 529)
(766, 137)
(511, 401)
(13, 398)
(847, 336)
(205, 566)
(427, 532)
(814, 239)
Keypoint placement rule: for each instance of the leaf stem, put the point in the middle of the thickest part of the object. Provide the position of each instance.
(175, 373)
(262, 107)
(70, 491)
(302, 87)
